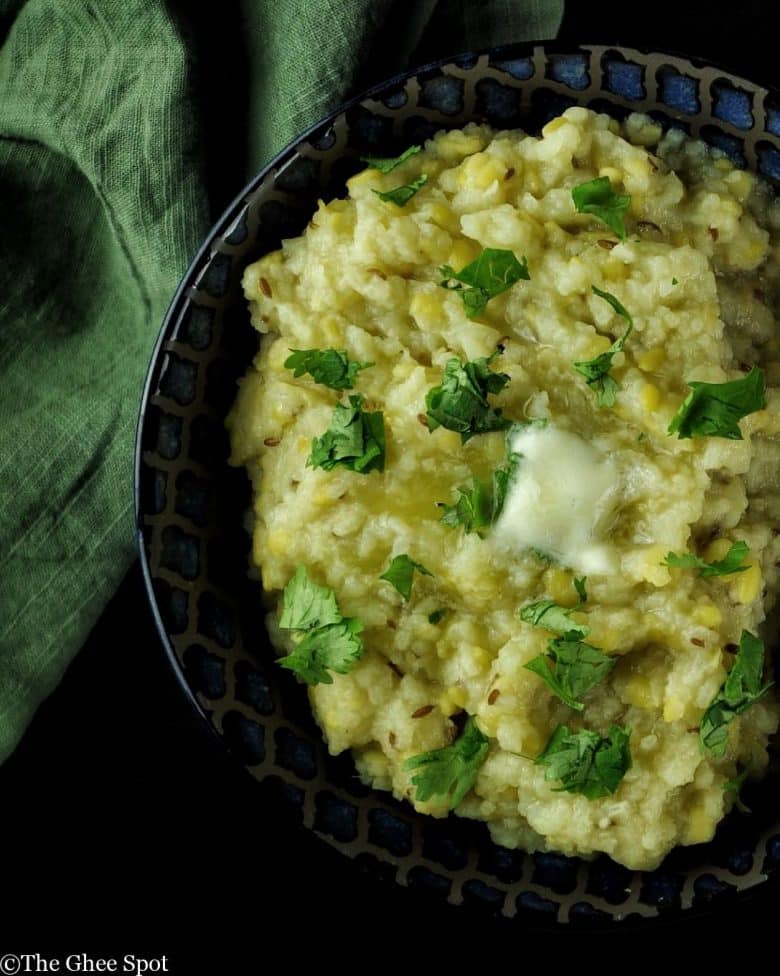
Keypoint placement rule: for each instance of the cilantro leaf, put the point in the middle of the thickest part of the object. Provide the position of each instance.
(479, 505)
(617, 305)
(579, 586)
(713, 409)
(451, 771)
(586, 763)
(741, 689)
(387, 163)
(401, 195)
(473, 509)
(491, 274)
(502, 480)
(540, 556)
(336, 647)
(731, 562)
(598, 198)
(399, 574)
(735, 786)
(460, 403)
(331, 367)
(330, 642)
(354, 439)
(307, 604)
(604, 386)
(547, 614)
(571, 668)
(596, 371)
(436, 616)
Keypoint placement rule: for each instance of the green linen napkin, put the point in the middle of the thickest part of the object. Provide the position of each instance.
(115, 156)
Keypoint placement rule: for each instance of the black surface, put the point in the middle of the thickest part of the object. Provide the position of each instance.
(126, 830)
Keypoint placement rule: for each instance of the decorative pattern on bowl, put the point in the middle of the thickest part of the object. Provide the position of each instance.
(189, 504)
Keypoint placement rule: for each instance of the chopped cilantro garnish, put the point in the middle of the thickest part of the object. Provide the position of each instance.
(741, 689)
(354, 439)
(331, 367)
(451, 771)
(329, 642)
(579, 586)
(387, 163)
(473, 509)
(596, 371)
(436, 616)
(493, 272)
(731, 562)
(616, 305)
(336, 647)
(399, 574)
(735, 786)
(502, 480)
(598, 198)
(307, 604)
(586, 763)
(460, 403)
(540, 556)
(547, 614)
(571, 668)
(713, 409)
(479, 505)
(401, 195)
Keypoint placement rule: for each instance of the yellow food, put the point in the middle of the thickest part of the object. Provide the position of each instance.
(698, 272)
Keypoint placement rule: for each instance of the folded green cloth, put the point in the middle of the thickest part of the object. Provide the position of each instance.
(115, 155)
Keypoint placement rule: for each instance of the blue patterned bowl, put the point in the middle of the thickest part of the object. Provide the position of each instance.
(189, 504)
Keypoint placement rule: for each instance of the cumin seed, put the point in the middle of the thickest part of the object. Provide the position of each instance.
(422, 711)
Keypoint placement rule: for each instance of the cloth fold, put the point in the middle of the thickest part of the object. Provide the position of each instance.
(125, 127)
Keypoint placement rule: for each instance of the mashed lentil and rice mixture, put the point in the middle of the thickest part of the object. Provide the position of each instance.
(605, 527)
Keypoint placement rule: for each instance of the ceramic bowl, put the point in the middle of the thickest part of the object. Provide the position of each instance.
(190, 504)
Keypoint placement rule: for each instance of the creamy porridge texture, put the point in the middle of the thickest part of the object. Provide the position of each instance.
(513, 433)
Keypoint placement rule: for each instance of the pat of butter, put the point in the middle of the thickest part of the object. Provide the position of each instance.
(561, 500)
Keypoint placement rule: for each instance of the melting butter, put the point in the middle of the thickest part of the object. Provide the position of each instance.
(562, 500)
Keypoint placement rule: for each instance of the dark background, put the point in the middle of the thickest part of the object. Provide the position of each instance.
(125, 827)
